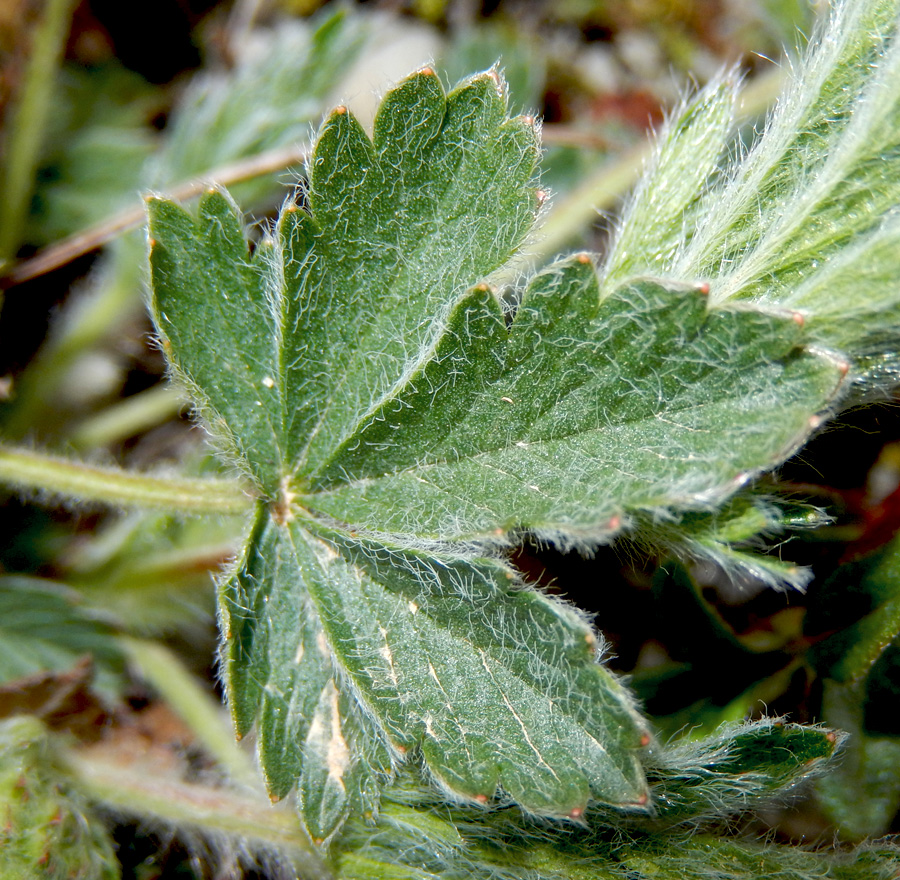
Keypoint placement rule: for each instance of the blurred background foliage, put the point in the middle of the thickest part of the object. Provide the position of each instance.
(155, 94)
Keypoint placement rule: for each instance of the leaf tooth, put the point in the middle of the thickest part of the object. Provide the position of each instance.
(409, 118)
(339, 168)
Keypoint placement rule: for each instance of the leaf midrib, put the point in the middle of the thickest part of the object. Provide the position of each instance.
(414, 256)
(671, 409)
(472, 648)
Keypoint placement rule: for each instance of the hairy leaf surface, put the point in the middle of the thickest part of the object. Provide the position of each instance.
(581, 413)
(280, 671)
(494, 682)
(358, 364)
(807, 219)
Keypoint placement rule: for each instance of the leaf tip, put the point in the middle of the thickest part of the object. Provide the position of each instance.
(494, 74)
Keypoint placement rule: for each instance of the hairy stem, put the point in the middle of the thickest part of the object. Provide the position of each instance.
(36, 471)
(248, 823)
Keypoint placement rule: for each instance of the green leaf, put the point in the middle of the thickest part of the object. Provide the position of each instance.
(661, 213)
(507, 694)
(582, 413)
(738, 768)
(48, 831)
(377, 283)
(734, 536)
(414, 840)
(860, 606)
(398, 228)
(385, 406)
(151, 572)
(806, 220)
(211, 307)
(522, 56)
(706, 856)
(279, 669)
(42, 629)
(493, 683)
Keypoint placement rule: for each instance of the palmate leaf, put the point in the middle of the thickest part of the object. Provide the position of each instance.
(359, 368)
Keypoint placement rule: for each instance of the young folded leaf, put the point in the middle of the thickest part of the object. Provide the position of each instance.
(807, 219)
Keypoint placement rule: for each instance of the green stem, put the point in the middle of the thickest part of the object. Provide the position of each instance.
(29, 120)
(203, 715)
(30, 470)
(128, 417)
(250, 823)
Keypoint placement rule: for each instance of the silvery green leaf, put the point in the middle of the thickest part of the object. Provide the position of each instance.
(493, 682)
(661, 214)
(806, 219)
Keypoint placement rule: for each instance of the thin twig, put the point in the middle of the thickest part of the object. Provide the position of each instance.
(601, 194)
(84, 242)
